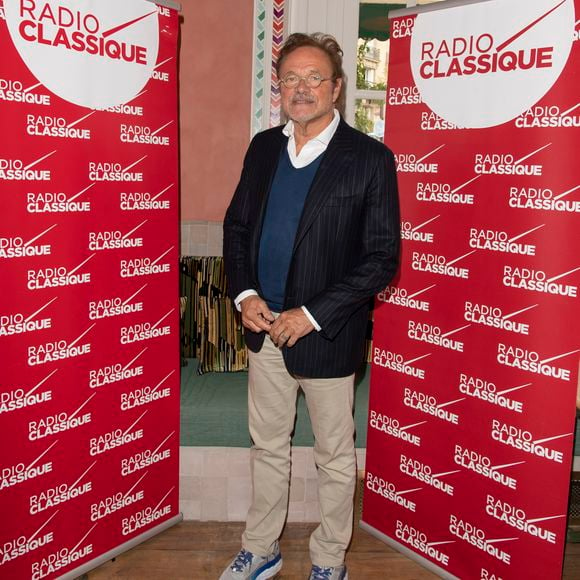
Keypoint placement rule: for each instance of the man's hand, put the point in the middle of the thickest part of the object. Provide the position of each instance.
(255, 314)
(290, 326)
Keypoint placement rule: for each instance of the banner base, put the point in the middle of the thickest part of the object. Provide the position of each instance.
(91, 565)
(407, 552)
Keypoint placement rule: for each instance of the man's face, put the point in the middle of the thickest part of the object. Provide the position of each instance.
(304, 104)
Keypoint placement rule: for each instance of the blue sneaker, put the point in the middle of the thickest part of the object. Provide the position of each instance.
(328, 573)
(248, 566)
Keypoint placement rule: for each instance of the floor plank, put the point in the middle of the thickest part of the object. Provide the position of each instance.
(201, 550)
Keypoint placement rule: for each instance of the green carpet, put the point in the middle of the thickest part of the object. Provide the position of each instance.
(214, 410)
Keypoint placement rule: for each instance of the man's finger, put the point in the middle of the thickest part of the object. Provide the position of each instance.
(251, 326)
(277, 338)
(258, 324)
(277, 324)
(256, 314)
(255, 322)
(267, 316)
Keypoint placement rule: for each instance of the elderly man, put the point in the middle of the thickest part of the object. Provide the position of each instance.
(311, 234)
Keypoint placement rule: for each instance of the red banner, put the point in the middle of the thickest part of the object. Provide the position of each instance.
(473, 388)
(89, 315)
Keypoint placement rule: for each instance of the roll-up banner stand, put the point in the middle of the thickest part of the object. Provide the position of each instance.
(89, 309)
(475, 360)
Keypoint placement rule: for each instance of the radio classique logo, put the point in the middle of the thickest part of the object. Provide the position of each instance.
(467, 62)
(68, 45)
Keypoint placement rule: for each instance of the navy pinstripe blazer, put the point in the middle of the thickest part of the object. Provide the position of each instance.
(346, 247)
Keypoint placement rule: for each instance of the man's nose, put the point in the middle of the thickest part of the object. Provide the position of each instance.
(302, 86)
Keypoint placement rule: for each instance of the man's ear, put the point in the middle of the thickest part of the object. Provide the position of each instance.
(337, 89)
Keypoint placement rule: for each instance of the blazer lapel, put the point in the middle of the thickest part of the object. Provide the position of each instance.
(335, 162)
(270, 157)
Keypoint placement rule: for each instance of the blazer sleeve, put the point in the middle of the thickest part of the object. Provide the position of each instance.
(239, 223)
(379, 256)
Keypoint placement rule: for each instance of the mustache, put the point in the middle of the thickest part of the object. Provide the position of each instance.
(303, 99)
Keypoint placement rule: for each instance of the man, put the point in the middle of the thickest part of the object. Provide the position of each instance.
(311, 234)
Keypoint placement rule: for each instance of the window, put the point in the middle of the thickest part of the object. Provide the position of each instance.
(353, 23)
(372, 64)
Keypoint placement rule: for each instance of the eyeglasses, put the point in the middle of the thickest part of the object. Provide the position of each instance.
(312, 81)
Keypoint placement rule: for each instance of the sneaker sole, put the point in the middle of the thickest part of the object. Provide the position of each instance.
(345, 577)
(272, 568)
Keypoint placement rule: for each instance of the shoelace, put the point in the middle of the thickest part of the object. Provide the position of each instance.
(319, 573)
(242, 560)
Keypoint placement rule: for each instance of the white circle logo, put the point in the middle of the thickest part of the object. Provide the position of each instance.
(94, 53)
(483, 64)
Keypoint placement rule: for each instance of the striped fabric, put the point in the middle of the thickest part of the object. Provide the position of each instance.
(258, 81)
(277, 42)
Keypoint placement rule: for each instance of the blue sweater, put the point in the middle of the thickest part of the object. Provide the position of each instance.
(285, 204)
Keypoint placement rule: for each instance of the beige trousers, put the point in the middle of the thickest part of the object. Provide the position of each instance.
(272, 393)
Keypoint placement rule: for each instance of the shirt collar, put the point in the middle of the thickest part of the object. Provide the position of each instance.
(324, 136)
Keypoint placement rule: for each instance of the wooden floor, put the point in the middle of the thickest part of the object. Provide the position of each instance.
(201, 550)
